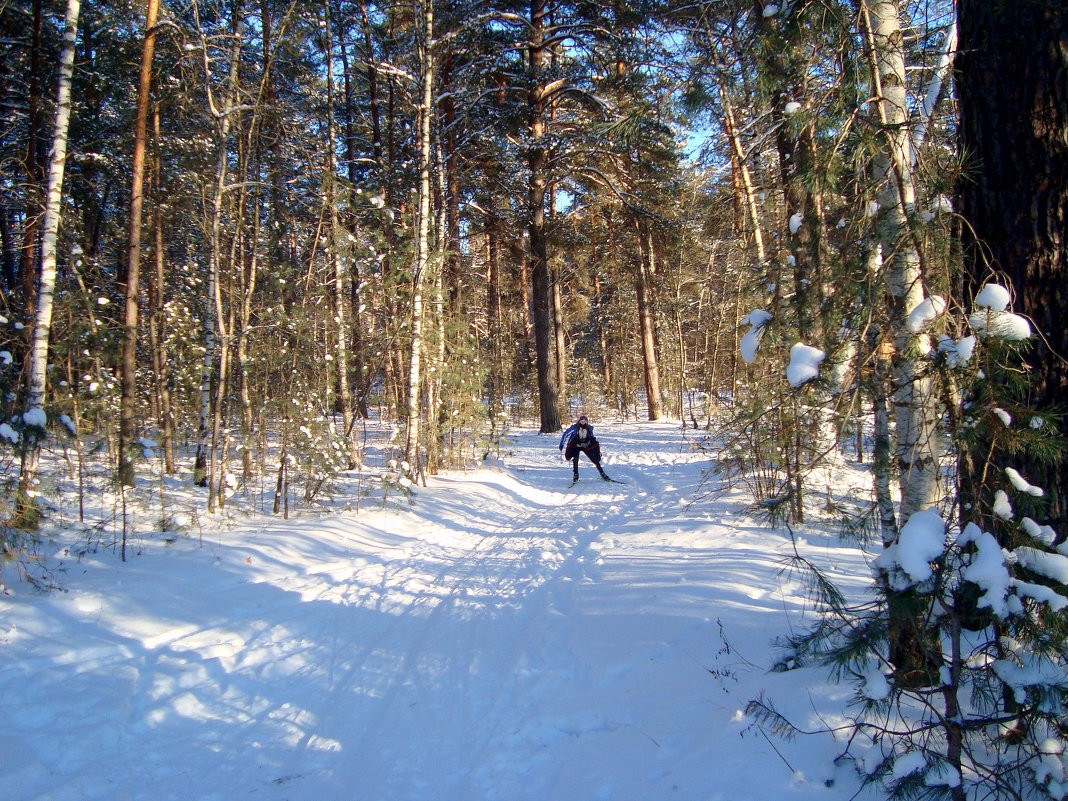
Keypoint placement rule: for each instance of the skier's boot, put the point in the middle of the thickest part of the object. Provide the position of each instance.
(574, 478)
(604, 475)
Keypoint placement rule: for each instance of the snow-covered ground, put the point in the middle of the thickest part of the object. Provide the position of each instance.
(502, 638)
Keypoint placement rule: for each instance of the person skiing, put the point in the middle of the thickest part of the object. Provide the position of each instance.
(580, 439)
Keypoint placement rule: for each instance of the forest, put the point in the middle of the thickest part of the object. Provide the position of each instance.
(235, 231)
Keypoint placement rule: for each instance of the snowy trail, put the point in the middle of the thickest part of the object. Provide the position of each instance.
(502, 639)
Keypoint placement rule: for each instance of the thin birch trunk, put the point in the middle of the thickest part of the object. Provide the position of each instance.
(38, 361)
(914, 406)
(559, 336)
(160, 362)
(647, 325)
(342, 329)
(914, 647)
(422, 244)
(746, 180)
(216, 340)
(435, 416)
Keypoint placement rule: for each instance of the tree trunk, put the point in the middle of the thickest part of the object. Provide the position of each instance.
(342, 328)
(647, 324)
(541, 280)
(559, 338)
(35, 167)
(422, 243)
(38, 362)
(1012, 78)
(128, 403)
(787, 63)
(914, 647)
(496, 379)
(160, 361)
(214, 378)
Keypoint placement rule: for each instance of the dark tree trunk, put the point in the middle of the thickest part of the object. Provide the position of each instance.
(128, 407)
(1012, 78)
(537, 163)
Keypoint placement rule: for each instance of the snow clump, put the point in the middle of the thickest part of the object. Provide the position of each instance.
(770, 10)
(1044, 534)
(792, 107)
(921, 541)
(994, 297)
(1022, 484)
(804, 364)
(987, 569)
(68, 424)
(876, 687)
(1001, 325)
(994, 320)
(1002, 507)
(795, 222)
(758, 319)
(926, 313)
(907, 764)
(35, 417)
(1050, 565)
(959, 352)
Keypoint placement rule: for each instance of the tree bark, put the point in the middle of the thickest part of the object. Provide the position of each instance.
(647, 324)
(541, 280)
(1012, 79)
(422, 243)
(342, 327)
(128, 403)
(38, 362)
(216, 351)
(914, 647)
(160, 361)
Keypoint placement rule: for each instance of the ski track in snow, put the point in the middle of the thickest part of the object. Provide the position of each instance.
(503, 639)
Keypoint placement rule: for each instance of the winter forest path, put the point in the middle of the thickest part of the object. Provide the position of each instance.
(502, 638)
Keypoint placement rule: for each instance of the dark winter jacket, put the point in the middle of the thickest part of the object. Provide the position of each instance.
(572, 435)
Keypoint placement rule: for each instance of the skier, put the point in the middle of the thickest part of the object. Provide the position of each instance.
(580, 439)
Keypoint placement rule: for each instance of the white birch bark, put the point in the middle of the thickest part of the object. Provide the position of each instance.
(913, 394)
(934, 91)
(422, 243)
(216, 337)
(341, 280)
(38, 359)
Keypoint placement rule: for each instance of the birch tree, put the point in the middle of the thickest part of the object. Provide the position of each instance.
(422, 237)
(216, 351)
(34, 417)
(914, 652)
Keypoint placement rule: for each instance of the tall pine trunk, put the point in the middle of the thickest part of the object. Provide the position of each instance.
(1014, 197)
(128, 403)
(537, 188)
